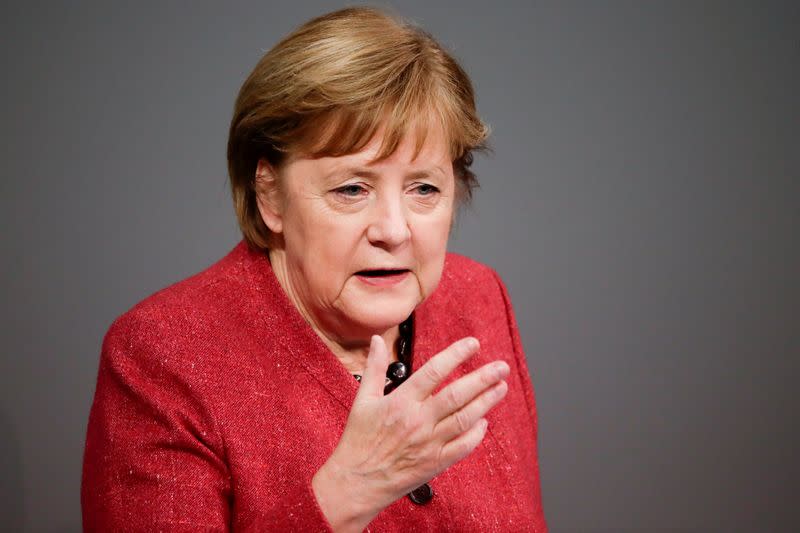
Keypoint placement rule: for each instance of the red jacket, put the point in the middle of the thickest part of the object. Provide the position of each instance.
(216, 403)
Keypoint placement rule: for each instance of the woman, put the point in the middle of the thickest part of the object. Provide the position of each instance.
(228, 400)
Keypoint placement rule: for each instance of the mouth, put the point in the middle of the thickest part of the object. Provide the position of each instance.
(382, 277)
(381, 272)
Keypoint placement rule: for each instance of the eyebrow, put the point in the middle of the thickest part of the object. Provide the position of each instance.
(371, 174)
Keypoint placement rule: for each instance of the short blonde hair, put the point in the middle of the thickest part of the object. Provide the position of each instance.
(327, 88)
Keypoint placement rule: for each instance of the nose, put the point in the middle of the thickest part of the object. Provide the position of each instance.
(388, 225)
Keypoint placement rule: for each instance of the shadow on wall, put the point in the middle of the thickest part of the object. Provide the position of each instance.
(12, 504)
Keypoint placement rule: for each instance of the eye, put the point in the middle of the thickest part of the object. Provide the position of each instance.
(426, 189)
(351, 190)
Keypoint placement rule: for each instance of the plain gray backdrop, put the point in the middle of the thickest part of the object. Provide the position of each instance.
(641, 204)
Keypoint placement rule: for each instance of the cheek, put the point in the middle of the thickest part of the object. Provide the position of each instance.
(326, 245)
(431, 239)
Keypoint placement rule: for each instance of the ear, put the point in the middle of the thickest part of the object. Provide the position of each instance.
(268, 196)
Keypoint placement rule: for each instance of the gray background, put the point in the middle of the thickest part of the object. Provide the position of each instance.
(641, 205)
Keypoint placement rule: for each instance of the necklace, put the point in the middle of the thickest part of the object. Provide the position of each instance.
(396, 374)
(399, 370)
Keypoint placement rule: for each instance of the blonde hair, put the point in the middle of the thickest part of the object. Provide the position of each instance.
(327, 88)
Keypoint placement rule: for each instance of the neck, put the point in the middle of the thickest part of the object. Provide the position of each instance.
(351, 352)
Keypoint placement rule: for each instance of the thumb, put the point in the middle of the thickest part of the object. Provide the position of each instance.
(374, 378)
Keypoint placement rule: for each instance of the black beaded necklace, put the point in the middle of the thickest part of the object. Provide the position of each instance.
(396, 374)
(399, 370)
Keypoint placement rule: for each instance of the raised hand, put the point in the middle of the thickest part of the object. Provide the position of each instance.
(392, 444)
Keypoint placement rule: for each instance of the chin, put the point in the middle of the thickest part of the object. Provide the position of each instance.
(380, 320)
(372, 310)
(379, 317)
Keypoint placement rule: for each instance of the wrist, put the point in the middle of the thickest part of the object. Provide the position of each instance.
(346, 501)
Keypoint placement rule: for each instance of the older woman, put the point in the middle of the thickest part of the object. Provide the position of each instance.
(228, 400)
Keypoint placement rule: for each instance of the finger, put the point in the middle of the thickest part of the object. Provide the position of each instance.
(373, 380)
(460, 421)
(460, 447)
(459, 393)
(423, 382)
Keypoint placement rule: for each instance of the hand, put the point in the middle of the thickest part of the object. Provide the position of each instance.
(392, 444)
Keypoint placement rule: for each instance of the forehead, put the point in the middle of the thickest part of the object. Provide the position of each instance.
(421, 152)
(349, 130)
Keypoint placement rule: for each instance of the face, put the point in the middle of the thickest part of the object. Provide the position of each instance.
(363, 241)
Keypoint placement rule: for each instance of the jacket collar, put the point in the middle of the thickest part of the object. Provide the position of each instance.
(278, 316)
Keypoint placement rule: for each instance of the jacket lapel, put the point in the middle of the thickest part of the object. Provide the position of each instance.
(279, 323)
(436, 326)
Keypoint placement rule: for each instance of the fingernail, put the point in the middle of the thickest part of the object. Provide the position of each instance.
(472, 343)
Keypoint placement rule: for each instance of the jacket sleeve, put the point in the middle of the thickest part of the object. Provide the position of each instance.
(301, 513)
(153, 459)
(527, 388)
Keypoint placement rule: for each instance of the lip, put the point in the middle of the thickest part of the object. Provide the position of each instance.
(384, 281)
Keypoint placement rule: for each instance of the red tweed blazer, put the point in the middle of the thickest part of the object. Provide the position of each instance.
(216, 403)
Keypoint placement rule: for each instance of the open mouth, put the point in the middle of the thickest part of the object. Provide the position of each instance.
(379, 273)
(383, 277)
